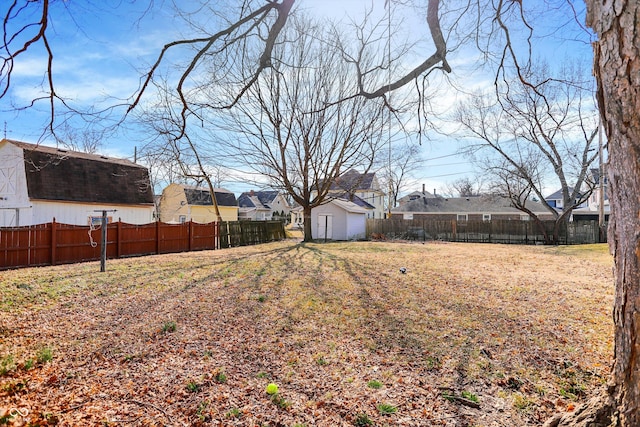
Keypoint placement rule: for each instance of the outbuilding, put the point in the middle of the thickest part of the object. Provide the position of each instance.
(39, 184)
(339, 219)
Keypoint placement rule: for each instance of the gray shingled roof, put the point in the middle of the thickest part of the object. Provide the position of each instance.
(349, 198)
(352, 180)
(558, 195)
(58, 174)
(480, 204)
(202, 197)
(265, 198)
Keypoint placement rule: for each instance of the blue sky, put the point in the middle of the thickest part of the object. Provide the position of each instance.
(102, 48)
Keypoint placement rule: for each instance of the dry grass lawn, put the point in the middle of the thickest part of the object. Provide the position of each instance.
(471, 335)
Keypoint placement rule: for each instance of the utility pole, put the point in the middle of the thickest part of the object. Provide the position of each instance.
(601, 191)
(600, 178)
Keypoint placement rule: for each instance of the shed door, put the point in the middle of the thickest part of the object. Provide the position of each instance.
(325, 227)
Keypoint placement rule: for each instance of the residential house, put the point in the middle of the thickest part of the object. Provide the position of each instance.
(556, 201)
(40, 183)
(478, 208)
(263, 206)
(365, 186)
(601, 191)
(416, 195)
(181, 203)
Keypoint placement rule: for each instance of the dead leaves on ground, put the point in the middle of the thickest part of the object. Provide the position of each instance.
(193, 339)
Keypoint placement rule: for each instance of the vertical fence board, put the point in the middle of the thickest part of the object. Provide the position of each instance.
(495, 231)
(54, 243)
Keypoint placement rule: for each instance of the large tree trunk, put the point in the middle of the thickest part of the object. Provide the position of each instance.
(306, 215)
(617, 68)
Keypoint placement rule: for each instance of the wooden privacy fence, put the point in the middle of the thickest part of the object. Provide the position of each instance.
(494, 231)
(54, 243)
(244, 233)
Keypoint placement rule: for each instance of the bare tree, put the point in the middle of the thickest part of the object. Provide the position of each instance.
(617, 65)
(463, 187)
(546, 127)
(397, 173)
(245, 32)
(617, 61)
(87, 140)
(288, 129)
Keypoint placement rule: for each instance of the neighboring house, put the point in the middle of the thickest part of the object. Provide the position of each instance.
(338, 220)
(484, 208)
(555, 200)
(181, 203)
(262, 206)
(39, 183)
(415, 196)
(592, 211)
(365, 186)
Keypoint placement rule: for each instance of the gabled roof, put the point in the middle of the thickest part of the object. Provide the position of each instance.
(344, 195)
(595, 175)
(257, 199)
(65, 175)
(558, 195)
(415, 196)
(480, 204)
(348, 206)
(202, 197)
(352, 180)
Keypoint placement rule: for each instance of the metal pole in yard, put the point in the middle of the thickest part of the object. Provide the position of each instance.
(103, 248)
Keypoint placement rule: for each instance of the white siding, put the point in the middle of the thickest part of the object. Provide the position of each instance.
(78, 214)
(14, 200)
(345, 225)
(356, 226)
(338, 225)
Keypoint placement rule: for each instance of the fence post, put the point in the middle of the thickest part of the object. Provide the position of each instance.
(190, 236)
(54, 242)
(103, 240)
(118, 238)
(157, 237)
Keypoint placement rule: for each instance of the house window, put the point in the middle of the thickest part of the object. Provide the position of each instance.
(182, 219)
(486, 217)
(462, 217)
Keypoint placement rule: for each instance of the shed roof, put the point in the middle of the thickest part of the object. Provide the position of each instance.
(349, 206)
(344, 195)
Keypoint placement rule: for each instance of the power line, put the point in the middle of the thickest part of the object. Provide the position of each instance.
(448, 164)
(442, 157)
(447, 174)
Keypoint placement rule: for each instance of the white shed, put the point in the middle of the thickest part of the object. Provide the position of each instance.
(338, 220)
